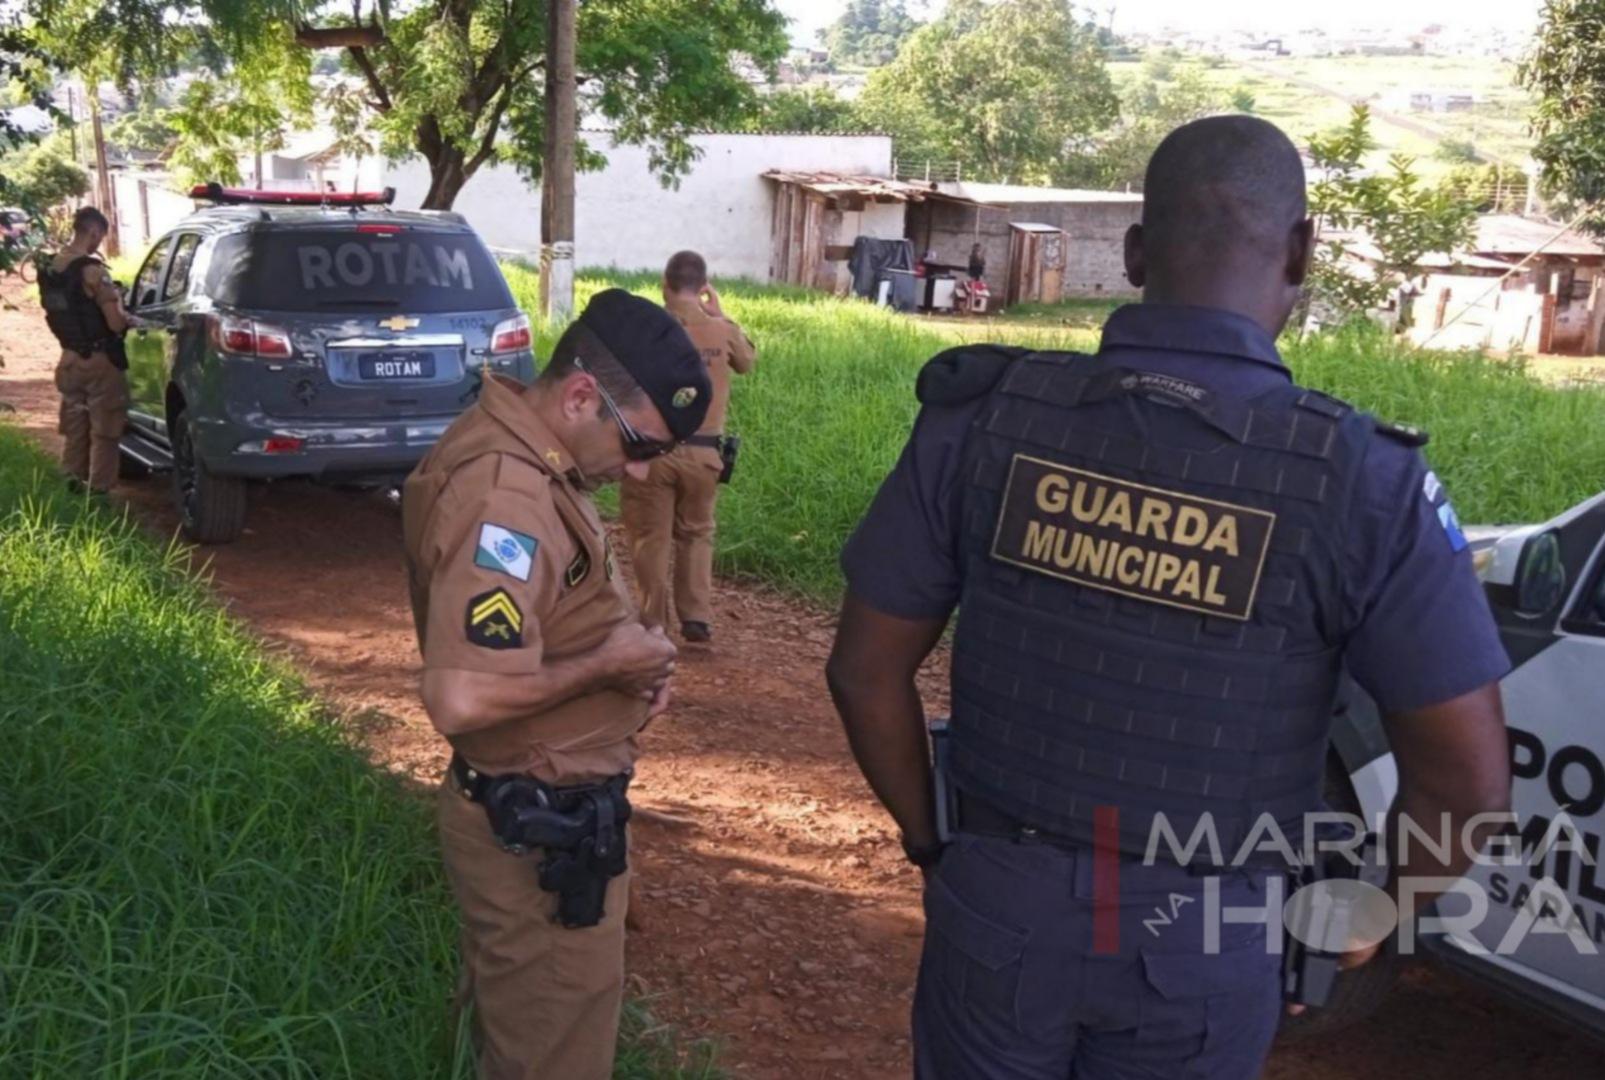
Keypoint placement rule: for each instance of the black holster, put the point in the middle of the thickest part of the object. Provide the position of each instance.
(116, 352)
(581, 830)
(1309, 974)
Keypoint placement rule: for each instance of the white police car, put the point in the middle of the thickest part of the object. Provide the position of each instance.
(1534, 927)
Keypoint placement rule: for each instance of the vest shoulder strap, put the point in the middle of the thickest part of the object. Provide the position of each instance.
(1407, 434)
(964, 373)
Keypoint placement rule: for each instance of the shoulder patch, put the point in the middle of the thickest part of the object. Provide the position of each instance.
(494, 621)
(1405, 433)
(505, 550)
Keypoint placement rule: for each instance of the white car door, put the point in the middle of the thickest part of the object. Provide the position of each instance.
(1545, 919)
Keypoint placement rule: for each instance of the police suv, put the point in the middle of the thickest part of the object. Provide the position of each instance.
(314, 335)
(1530, 919)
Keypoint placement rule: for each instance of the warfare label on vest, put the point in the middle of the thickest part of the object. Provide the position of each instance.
(1146, 542)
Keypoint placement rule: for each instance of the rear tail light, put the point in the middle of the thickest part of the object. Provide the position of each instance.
(511, 335)
(277, 444)
(247, 337)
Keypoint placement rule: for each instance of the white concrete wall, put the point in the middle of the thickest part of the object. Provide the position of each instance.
(166, 207)
(625, 218)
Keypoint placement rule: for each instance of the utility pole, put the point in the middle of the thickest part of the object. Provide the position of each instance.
(108, 197)
(557, 166)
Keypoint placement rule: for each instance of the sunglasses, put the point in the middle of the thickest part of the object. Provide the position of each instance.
(637, 447)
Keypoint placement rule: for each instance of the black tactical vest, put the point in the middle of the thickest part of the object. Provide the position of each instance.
(73, 317)
(1151, 612)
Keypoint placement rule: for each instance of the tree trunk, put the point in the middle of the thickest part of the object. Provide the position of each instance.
(108, 196)
(557, 170)
(447, 175)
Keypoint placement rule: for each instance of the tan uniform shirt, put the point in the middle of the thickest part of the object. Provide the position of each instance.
(725, 348)
(510, 566)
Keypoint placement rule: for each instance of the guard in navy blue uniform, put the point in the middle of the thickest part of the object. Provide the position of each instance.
(1162, 556)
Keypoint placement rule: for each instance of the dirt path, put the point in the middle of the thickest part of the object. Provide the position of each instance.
(777, 915)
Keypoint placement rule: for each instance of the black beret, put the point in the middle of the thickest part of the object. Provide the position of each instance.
(653, 347)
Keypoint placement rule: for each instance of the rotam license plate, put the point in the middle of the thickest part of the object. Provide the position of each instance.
(397, 365)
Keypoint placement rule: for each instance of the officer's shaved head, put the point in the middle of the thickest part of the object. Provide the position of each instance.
(686, 272)
(1224, 211)
(88, 218)
(1221, 181)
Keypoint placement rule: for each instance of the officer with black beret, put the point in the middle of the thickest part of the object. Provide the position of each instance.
(1162, 557)
(538, 671)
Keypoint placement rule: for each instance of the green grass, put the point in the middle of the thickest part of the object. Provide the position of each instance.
(831, 402)
(201, 875)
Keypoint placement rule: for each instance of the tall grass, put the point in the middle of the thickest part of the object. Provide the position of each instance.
(832, 400)
(200, 874)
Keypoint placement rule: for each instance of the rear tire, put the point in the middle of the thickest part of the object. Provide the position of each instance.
(1361, 991)
(210, 507)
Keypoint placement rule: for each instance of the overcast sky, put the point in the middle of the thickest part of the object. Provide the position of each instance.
(809, 15)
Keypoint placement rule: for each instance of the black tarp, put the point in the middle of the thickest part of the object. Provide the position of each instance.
(872, 257)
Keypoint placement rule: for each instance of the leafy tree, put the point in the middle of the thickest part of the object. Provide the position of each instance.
(1243, 99)
(460, 81)
(45, 175)
(149, 128)
(456, 81)
(1404, 219)
(1008, 88)
(1150, 111)
(814, 109)
(1457, 152)
(868, 33)
(24, 73)
(1566, 71)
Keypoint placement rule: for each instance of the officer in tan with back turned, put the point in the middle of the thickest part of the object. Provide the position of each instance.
(85, 312)
(672, 507)
(540, 673)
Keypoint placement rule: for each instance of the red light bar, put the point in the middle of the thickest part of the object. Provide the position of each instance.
(215, 192)
(382, 230)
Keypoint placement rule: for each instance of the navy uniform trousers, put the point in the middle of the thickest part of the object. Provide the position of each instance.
(1012, 987)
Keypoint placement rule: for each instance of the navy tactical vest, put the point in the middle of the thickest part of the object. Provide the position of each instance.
(72, 316)
(1151, 616)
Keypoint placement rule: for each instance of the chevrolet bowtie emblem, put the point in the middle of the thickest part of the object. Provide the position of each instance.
(398, 323)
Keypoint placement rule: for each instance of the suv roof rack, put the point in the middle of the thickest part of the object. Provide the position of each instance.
(224, 196)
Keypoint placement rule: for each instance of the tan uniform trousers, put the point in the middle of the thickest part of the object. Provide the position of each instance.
(672, 509)
(546, 998)
(94, 411)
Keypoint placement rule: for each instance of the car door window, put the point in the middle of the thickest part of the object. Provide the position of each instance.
(147, 283)
(178, 270)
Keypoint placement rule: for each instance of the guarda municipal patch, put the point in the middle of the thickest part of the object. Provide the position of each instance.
(1145, 542)
(494, 621)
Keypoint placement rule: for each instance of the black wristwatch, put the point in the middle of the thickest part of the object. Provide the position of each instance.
(926, 856)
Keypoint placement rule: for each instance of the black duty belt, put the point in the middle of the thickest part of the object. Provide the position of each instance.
(580, 829)
(984, 819)
(712, 441)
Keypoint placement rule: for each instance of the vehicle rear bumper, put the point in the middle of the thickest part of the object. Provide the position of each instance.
(345, 449)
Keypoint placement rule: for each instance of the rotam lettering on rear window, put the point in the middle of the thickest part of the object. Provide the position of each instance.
(416, 271)
(399, 263)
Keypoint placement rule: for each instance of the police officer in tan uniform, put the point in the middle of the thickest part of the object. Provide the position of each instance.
(672, 508)
(539, 672)
(84, 310)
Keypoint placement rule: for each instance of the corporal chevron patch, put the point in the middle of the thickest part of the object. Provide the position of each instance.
(494, 621)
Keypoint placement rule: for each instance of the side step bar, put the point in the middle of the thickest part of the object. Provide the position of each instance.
(155, 457)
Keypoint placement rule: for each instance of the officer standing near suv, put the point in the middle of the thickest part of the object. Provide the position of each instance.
(84, 311)
(1161, 555)
(539, 672)
(672, 508)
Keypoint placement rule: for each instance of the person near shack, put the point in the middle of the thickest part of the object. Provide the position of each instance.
(977, 267)
(538, 671)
